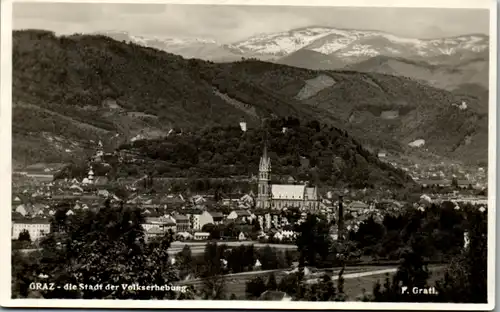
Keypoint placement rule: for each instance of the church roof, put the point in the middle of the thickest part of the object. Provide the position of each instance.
(288, 191)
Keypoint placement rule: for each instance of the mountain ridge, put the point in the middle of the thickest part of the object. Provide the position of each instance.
(167, 91)
(307, 36)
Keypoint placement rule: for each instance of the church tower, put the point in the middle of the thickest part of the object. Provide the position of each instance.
(264, 191)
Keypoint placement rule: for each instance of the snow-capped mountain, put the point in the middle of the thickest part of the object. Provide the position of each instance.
(280, 44)
(355, 45)
(349, 46)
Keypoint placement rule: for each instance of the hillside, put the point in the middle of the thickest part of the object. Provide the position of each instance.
(381, 111)
(312, 152)
(441, 75)
(68, 92)
(312, 60)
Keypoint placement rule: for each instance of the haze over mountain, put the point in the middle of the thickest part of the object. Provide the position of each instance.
(73, 89)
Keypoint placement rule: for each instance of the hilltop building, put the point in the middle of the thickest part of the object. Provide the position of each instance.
(280, 196)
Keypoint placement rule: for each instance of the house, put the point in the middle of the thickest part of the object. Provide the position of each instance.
(22, 209)
(198, 200)
(243, 215)
(183, 236)
(194, 220)
(247, 201)
(217, 217)
(37, 227)
(257, 264)
(17, 201)
(182, 222)
(241, 236)
(260, 221)
(169, 225)
(267, 221)
(154, 232)
(201, 235)
(205, 218)
(164, 223)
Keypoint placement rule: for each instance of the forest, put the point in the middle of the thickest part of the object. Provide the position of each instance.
(306, 151)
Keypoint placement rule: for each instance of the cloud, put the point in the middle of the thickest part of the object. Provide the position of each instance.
(228, 23)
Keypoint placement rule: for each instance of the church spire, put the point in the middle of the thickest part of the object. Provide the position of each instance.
(265, 160)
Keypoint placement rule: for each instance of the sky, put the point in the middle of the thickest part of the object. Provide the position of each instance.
(231, 23)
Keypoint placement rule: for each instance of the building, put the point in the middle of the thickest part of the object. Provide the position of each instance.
(217, 217)
(154, 232)
(206, 218)
(199, 219)
(181, 222)
(242, 215)
(201, 235)
(279, 196)
(37, 227)
(163, 223)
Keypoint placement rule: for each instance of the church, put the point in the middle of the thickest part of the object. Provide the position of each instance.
(279, 196)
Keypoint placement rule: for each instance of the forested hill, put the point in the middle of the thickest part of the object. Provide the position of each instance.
(71, 91)
(308, 151)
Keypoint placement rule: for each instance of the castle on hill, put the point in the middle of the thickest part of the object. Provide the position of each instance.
(279, 196)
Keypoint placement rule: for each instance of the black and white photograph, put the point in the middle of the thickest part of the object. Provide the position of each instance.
(296, 154)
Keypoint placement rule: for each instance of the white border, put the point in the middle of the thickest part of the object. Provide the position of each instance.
(6, 172)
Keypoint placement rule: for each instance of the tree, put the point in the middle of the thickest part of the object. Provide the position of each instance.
(313, 240)
(369, 233)
(411, 273)
(214, 285)
(212, 229)
(322, 291)
(24, 236)
(255, 287)
(106, 246)
(340, 296)
(184, 262)
(466, 278)
(271, 282)
(268, 258)
(289, 284)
